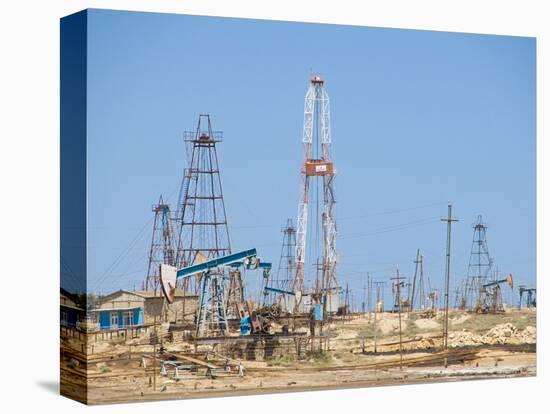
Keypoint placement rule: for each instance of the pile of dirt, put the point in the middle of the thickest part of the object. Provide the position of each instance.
(388, 326)
(464, 338)
(459, 319)
(427, 343)
(428, 324)
(501, 334)
(528, 335)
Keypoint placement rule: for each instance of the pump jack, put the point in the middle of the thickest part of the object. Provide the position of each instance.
(212, 308)
(492, 294)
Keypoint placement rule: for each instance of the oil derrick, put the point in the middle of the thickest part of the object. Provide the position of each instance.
(162, 245)
(287, 261)
(460, 296)
(201, 217)
(478, 267)
(418, 295)
(317, 201)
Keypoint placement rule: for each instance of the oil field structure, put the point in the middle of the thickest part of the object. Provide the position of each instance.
(196, 328)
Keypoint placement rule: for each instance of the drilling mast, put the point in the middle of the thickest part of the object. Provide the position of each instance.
(318, 169)
(287, 261)
(479, 265)
(162, 247)
(201, 219)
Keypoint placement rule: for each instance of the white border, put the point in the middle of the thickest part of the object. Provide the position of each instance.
(29, 84)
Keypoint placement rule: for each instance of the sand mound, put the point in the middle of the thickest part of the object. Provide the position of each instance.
(427, 324)
(388, 325)
(459, 319)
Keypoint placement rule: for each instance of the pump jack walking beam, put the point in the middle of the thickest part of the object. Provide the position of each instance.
(169, 274)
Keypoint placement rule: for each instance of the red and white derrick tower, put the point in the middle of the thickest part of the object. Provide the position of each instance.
(317, 199)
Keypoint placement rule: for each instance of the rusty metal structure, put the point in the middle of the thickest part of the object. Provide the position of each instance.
(491, 293)
(316, 226)
(200, 216)
(162, 246)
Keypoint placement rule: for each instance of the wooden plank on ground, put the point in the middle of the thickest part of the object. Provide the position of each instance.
(198, 361)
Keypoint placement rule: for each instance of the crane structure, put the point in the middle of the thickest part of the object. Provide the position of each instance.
(479, 266)
(162, 245)
(316, 207)
(212, 312)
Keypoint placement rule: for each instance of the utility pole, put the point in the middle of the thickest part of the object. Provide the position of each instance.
(398, 283)
(418, 283)
(364, 303)
(369, 293)
(450, 220)
(379, 297)
(346, 303)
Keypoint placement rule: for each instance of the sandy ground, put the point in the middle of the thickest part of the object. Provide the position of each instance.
(491, 346)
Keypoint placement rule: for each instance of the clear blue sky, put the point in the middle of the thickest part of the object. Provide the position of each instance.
(419, 118)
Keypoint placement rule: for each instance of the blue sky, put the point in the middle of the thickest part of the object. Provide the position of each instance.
(419, 118)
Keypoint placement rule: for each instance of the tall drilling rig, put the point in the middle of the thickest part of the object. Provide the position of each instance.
(479, 266)
(162, 245)
(201, 218)
(316, 207)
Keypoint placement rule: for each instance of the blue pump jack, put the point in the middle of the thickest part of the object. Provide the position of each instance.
(212, 286)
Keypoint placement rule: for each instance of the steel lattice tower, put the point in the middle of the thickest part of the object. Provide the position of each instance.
(287, 261)
(479, 265)
(201, 217)
(162, 245)
(317, 168)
